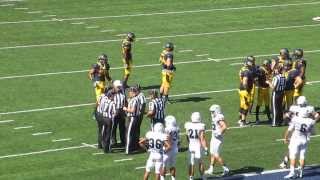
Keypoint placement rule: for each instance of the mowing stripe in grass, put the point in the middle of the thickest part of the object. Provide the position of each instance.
(121, 160)
(92, 27)
(90, 104)
(77, 23)
(61, 140)
(22, 127)
(146, 65)
(50, 15)
(6, 121)
(166, 13)
(41, 133)
(34, 12)
(107, 30)
(160, 37)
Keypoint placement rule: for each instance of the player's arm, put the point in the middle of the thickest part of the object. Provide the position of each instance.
(245, 82)
(90, 74)
(143, 143)
(167, 145)
(288, 132)
(223, 126)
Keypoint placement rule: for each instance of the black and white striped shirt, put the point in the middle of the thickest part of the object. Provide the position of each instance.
(109, 110)
(142, 100)
(101, 104)
(119, 100)
(134, 104)
(279, 83)
(157, 106)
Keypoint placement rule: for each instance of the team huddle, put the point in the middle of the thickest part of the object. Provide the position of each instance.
(123, 108)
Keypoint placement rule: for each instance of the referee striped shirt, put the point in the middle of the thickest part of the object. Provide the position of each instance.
(119, 100)
(109, 109)
(134, 103)
(279, 83)
(142, 99)
(101, 103)
(157, 106)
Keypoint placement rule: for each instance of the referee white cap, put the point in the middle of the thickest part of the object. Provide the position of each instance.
(117, 83)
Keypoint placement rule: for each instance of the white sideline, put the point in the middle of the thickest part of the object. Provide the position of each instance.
(164, 13)
(143, 66)
(155, 42)
(160, 37)
(21, 8)
(6, 121)
(41, 133)
(22, 127)
(107, 30)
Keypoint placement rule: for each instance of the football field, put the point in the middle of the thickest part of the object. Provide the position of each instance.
(48, 46)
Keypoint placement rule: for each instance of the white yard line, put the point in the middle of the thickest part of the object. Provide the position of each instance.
(21, 8)
(107, 30)
(123, 34)
(6, 5)
(92, 27)
(34, 12)
(122, 160)
(49, 15)
(201, 55)
(41, 133)
(313, 136)
(90, 145)
(161, 37)
(155, 42)
(168, 13)
(186, 50)
(99, 153)
(61, 140)
(22, 127)
(6, 121)
(236, 64)
(141, 167)
(42, 152)
(143, 66)
(77, 23)
(312, 82)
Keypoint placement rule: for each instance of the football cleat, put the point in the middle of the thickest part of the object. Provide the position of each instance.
(226, 171)
(291, 175)
(300, 172)
(209, 171)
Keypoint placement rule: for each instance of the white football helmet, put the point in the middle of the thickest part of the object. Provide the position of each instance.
(117, 83)
(302, 101)
(195, 117)
(215, 109)
(170, 121)
(158, 127)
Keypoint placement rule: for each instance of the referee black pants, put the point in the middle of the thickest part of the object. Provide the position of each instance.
(99, 128)
(132, 127)
(277, 108)
(106, 134)
(119, 120)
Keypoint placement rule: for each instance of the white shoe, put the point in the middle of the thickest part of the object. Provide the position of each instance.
(226, 172)
(300, 172)
(209, 171)
(283, 165)
(290, 176)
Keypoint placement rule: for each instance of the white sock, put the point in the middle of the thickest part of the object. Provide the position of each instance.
(291, 169)
(162, 178)
(173, 178)
(225, 168)
(211, 166)
(191, 177)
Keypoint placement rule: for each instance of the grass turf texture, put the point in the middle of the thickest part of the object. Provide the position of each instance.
(244, 149)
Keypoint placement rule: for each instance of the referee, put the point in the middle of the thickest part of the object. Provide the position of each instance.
(119, 120)
(156, 108)
(278, 87)
(142, 104)
(133, 114)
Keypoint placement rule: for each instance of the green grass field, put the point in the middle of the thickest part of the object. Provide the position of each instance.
(224, 29)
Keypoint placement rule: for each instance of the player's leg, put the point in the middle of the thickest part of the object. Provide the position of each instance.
(293, 150)
(191, 165)
(127, 72)
(99, 130)
(108, 132)
(303, 150)
(114, 130)
(122, 127)
(172, 164)
(226, 170)
(212, 159)
(259, 103)
(146, 175)
(159, 169)
(266, 99)
(201, 168)
(149, 166)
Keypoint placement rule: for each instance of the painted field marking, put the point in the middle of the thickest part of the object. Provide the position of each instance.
(159, 37)
(6, 121)
(201, 55)
(168, 13)
(312, 82)
(107, 30)
(90, 145)
(98, 153)
(141, 167)
(92, 27)
(215, 60)
(1, 1)
(77, 23)
(122, 160)
(41, 133)
(6, 5)
(21, 8)
(50, 15)
(313, 136)
(61, 140)
(155, 42)
(42, 152)
(22, 127)
(236, 64)
(186, 50)
(34, 12)
(316, 18)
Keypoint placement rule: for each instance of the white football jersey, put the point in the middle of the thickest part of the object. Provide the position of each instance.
(296, 110)
(301, 127)
(193, 132)
(173, 132)
(156, 143)
(216, 130)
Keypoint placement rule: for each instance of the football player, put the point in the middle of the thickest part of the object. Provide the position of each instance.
(293, 80)
(197, 143)
(219, 127)
(168, 69)
(263, 74)
(157, 144)
(245, 89)
(300, 64)
(99, 73)
(299, 132)
(172, 130)
(127, 56)
(283, 56)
